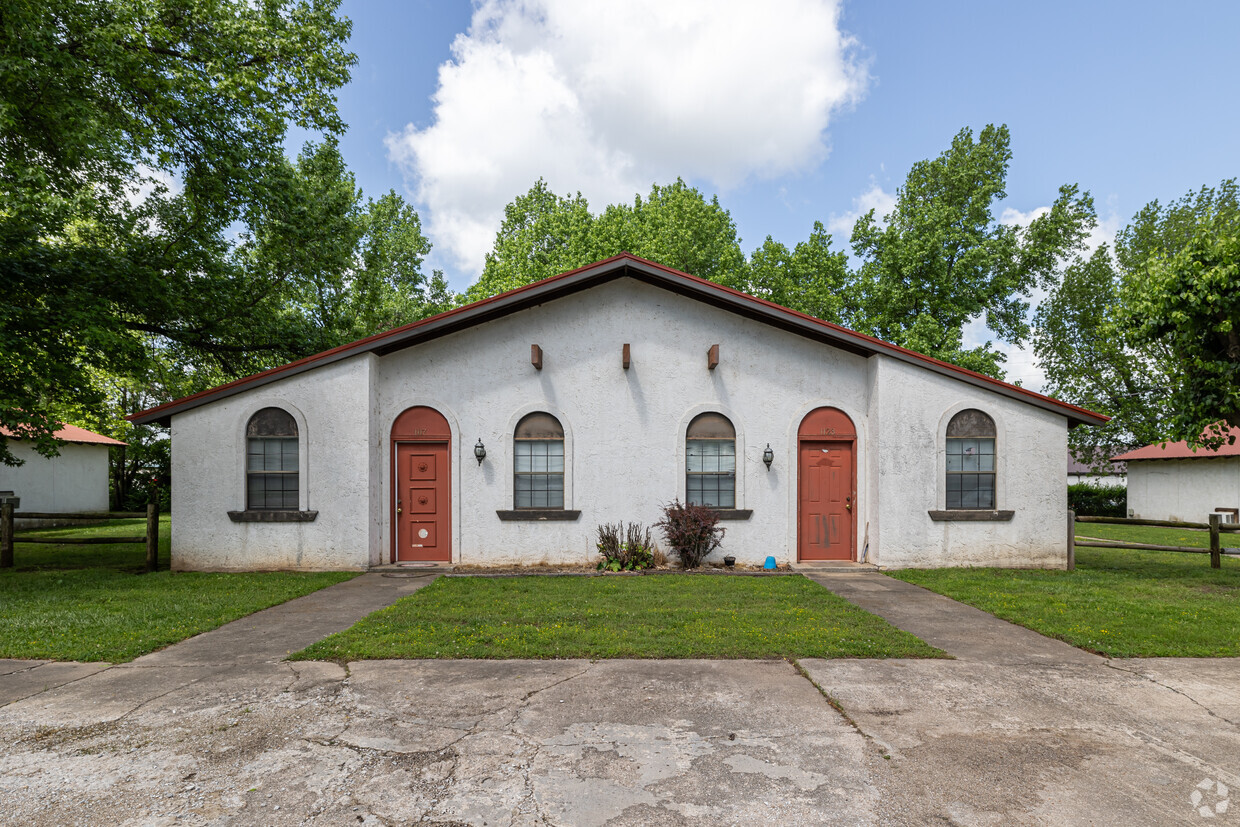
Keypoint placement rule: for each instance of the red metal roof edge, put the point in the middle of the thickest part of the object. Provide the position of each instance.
(368, 343)
(72, 433)
(1181, 450)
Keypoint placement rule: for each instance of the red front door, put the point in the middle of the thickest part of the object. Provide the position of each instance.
(423, 502)
(826, 492)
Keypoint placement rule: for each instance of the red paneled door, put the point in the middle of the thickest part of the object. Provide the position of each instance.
(421, 489)
(826, 487)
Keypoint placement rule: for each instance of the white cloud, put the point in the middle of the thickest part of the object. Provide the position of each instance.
(607, 98)
(875, 198)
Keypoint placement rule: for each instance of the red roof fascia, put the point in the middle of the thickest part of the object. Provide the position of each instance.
(72, 433)
(1181, 450)
(877, 344)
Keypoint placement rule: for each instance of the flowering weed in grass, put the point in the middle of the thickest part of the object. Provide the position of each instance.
(662, 616)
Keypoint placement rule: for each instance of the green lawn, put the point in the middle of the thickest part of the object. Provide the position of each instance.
(1118, 603)
(93, 603)
(660, 616)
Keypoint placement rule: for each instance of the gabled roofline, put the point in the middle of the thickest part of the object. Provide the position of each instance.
(619, 266)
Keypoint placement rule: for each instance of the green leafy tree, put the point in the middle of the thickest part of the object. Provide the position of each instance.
(1092, 358)
(542, 235)
(1186, 299)
(677, 227)
(810, 278)
(1146, 336)
(941, 259)
(102, 100)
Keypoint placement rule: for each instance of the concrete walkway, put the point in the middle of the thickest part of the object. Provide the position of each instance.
(1018, 729)
(265, 637)
(960, 630)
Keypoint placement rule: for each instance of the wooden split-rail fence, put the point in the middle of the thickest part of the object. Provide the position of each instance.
(1215, 526)
(8, 536)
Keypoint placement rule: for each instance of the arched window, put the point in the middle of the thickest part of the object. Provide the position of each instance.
(710, 461)
(538, 462)
(971, 461)
(271, 461)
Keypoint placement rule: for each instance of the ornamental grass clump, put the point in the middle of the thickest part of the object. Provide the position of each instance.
(692, 531)
(625, 547)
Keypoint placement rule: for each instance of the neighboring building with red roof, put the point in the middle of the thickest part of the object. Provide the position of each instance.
(506, 431)
(1173, 481)
(73, 482)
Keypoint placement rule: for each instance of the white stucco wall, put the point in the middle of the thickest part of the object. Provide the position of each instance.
(1182, 489)
(624, 429)
(75, 481)
(332, 407)
(624, 447)
(909, 415)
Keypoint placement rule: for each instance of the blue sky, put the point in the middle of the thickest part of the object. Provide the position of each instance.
(791, 111)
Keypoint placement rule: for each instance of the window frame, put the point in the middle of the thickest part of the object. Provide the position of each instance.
(971, 424)
(720, 419)
(547, 438)
(253, 432)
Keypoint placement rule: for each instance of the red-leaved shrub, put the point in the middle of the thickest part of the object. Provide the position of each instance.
(692, 531)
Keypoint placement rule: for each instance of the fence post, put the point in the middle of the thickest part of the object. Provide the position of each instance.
(1071, 540)
(1216, 546)
(6, 536)
(152, 537)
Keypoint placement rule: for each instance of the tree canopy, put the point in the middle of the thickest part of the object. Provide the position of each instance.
(102, 105)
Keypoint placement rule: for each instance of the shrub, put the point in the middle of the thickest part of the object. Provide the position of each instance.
(1089, 500)
(692, 531)
(625, 548)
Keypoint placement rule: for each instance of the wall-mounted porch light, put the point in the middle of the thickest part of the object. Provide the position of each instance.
(480, 451)
(768, 456)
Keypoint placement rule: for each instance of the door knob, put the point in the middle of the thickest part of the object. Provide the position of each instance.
(848, 503)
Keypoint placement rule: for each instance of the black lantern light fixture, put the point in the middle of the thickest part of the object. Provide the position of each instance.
(480, 451)
(768, 456)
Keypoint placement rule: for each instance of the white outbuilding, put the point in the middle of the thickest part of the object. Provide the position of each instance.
(505, 431)
(74, 482)
(1171, 481)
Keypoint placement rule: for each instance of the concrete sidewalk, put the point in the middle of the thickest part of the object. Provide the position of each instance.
(1017, 730)
(960, 630)
(265, 637)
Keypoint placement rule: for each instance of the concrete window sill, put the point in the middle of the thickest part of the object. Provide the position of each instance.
(534, 515)
(734, 513)
(272, 516)
(971, 516)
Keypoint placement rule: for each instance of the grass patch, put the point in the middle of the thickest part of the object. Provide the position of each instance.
(665, 616)
(1118, 602)
(92, 603)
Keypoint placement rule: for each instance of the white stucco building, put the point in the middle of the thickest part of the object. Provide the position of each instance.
(597, 396)
(74, 482)
(1171, 481)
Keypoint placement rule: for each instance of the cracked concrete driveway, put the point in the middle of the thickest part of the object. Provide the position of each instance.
(1017, 730)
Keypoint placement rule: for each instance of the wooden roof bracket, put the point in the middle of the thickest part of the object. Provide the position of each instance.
(712, 357)
(536, 357)
(624, 358)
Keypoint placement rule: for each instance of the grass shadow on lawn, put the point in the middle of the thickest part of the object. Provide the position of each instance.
(93, 603)
(668, 616)
(1118, 602)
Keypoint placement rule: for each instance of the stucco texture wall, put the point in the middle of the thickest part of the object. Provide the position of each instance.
(624, 441)
(332, 406)
(75, 481)
(909, 415)
(1183, 489)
